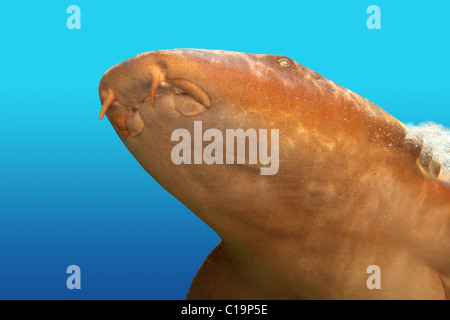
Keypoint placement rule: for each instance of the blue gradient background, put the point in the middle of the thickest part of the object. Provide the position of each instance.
(70, 192)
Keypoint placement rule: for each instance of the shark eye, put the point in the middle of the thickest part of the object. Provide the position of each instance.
(285, 63)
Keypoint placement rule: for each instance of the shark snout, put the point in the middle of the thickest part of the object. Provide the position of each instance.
(127, 86)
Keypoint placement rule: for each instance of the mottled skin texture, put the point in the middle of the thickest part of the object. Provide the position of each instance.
(350, 191)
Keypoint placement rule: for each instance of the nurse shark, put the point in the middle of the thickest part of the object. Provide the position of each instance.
(354, 187)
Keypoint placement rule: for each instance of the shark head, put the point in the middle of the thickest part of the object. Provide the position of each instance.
(206, 123)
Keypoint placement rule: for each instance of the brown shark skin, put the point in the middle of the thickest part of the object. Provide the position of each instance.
(350, 191)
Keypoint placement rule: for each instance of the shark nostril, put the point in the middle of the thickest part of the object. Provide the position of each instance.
(188, 106)
(190, 88)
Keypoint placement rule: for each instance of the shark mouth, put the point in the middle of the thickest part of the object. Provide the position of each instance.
(183, 95)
